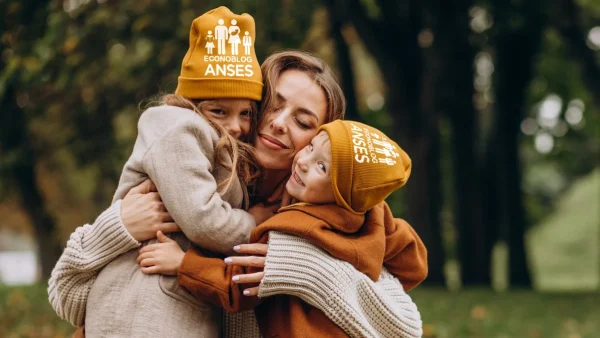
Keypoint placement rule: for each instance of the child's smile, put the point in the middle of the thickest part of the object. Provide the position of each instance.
(310, 181)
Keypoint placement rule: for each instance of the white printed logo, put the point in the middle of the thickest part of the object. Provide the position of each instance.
(228, 65)
(369, 147)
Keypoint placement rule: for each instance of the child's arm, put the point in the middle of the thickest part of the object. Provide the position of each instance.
(208, 279)
(405, 254)
(88, 250)
(180, 163)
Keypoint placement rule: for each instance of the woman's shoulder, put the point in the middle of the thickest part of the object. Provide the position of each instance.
(164, 119)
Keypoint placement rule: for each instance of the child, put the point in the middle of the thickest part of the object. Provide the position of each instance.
(339, 181)
(189, 147)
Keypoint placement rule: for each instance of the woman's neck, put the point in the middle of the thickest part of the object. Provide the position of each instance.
(271, 181)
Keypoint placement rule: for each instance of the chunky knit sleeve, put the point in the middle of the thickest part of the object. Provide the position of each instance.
(361, 307)
(88, 250)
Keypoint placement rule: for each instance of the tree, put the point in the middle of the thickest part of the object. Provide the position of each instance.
(409, 73)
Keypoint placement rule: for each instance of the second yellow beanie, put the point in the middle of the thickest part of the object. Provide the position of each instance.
(366, 165)
(221, 61)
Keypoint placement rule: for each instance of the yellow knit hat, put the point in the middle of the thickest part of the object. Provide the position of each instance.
(366, 166)
(221, 62)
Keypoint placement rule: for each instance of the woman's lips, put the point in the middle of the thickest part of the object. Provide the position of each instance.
(271, 142)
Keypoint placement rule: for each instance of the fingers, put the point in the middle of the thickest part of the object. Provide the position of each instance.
(251, 291)
(162, 238)
(249, 278)
(252, 249)
(148, 262)
(143, 256)
(166, 217)
(149, 248)
(255, 261)
(143, 188)
(169, 227)
(150, 270)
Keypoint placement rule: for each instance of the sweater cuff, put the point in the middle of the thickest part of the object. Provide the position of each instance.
(295, 267)
(108, 234)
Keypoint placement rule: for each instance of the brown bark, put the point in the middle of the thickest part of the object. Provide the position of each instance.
(408, 74)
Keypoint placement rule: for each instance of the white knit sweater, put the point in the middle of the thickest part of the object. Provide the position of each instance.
(361, 307)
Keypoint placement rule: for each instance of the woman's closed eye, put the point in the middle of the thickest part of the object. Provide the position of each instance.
(303, 125)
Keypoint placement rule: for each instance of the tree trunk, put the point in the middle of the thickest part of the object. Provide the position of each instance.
(344, 62)
(456, 101)
(513, 74)
(14, 140)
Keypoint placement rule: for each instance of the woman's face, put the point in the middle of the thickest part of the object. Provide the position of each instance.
(298, 110)
(235, 115)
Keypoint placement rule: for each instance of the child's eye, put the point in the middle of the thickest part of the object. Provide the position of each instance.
(310, 147)
(219, 112)
(246, 114)
(322, 166)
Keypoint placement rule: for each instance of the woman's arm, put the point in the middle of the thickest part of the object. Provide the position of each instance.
(92, 246)
(296, 267)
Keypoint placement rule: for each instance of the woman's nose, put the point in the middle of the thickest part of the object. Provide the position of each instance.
(279, 122)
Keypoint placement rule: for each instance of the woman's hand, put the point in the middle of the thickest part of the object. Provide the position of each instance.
(261, 213)
(164, 257)
(143, 213)
(257, 259)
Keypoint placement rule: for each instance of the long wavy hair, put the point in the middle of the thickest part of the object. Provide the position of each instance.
(311, 65)
(235, 155)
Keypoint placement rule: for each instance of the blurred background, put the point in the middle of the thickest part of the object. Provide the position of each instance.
(496, 101)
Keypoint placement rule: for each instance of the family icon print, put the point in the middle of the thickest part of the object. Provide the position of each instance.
(227, 35)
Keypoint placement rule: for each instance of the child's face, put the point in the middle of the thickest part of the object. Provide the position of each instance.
(235, 115)
(310, 181)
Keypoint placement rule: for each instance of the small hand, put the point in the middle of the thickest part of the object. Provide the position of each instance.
(257, 259)
(143, 213)
(164, 257)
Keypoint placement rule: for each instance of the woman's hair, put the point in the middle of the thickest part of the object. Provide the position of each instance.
(311, 65)
(243, 160)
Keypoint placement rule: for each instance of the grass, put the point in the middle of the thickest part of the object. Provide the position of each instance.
(25, 312)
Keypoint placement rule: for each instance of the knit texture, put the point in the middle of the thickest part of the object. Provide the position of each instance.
(89, 248)
(366, 166)
(221, 61)
(361, 307)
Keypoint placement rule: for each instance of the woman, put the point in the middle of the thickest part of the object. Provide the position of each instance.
(300, 94)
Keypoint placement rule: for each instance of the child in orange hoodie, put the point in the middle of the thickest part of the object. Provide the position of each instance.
(340, 180)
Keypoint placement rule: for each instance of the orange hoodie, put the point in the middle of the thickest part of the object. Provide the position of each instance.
(368, 242)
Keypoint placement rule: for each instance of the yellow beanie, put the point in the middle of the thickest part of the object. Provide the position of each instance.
(221, 62)
(366, 166)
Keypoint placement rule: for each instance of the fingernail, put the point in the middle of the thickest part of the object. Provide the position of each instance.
(236, 248)
(235, 278)
(227, 260)
(246, 292)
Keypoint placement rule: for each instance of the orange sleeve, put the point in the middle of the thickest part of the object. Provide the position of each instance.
(209, 279)
(405, 254)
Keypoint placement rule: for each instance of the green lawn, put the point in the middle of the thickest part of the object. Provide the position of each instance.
(25, 312)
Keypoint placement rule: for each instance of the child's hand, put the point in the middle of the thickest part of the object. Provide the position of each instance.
(261, 213)
(164, 257)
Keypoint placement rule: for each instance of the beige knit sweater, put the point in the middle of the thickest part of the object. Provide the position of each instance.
(353, 301)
